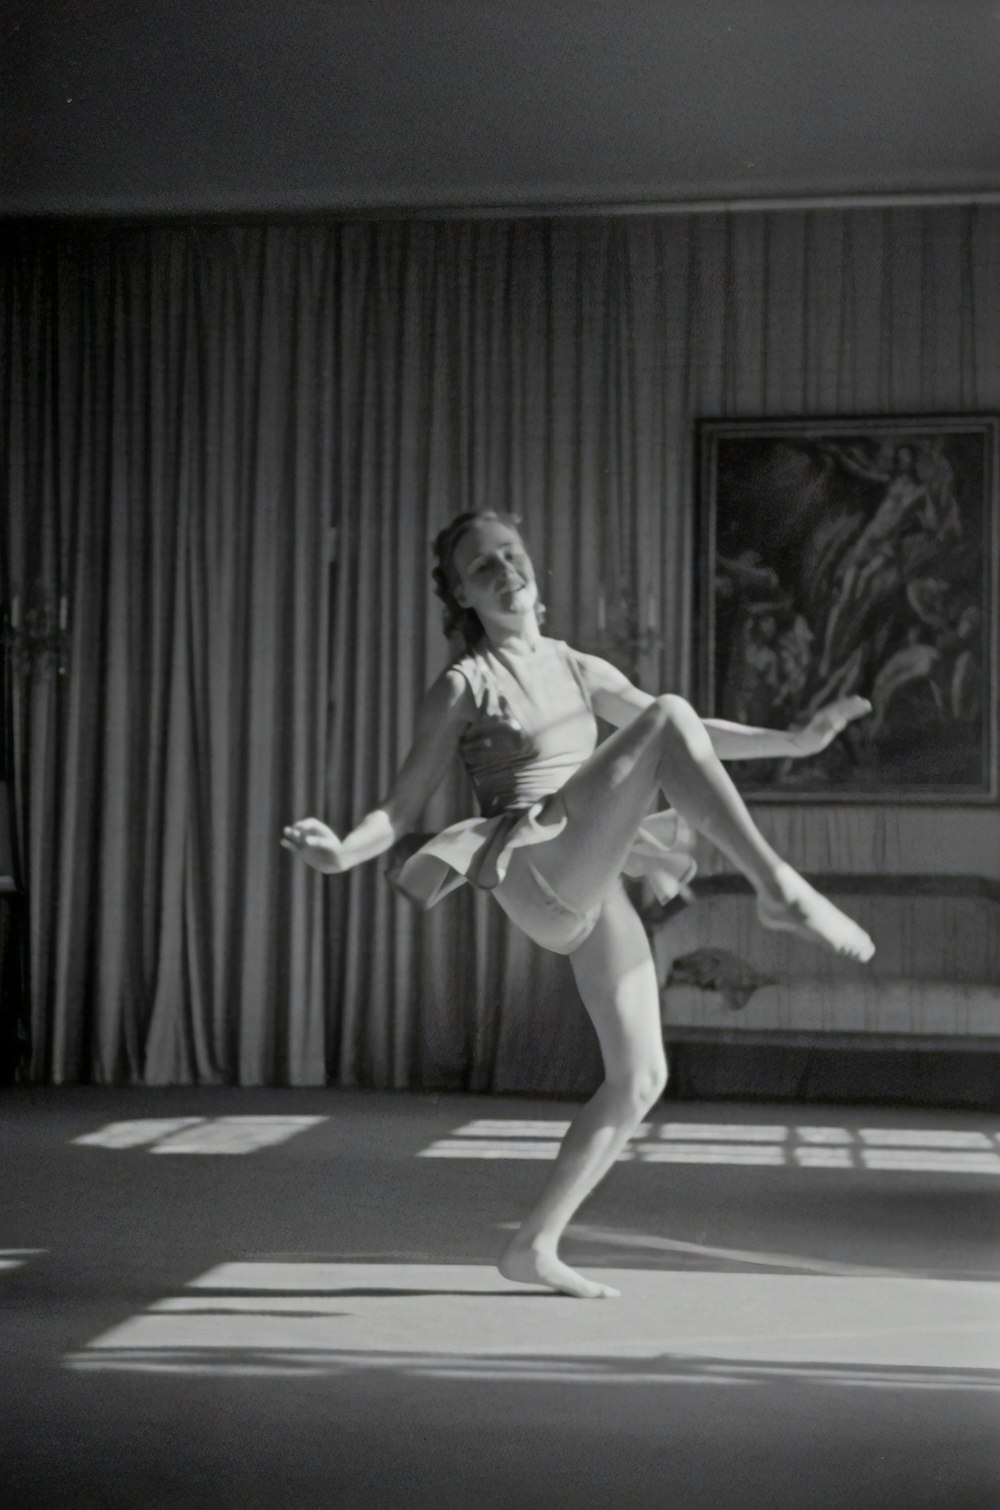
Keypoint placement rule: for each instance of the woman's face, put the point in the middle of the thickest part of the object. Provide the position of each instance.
(493, 573)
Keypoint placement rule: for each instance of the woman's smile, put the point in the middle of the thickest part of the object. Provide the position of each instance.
(496, 580)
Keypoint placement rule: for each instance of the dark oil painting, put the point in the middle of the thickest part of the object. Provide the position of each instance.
(854, 557)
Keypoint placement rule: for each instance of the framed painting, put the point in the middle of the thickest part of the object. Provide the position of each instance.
(854, 556)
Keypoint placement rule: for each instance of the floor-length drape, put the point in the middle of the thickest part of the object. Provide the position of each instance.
(168, 477)
(228, 449)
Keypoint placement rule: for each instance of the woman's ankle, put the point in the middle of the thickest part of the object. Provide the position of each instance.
(777, 884)
(534, 1240)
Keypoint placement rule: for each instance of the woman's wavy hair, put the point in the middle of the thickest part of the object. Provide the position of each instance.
(463, 623)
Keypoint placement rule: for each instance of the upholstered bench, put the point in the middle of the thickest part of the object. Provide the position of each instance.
(934, 982)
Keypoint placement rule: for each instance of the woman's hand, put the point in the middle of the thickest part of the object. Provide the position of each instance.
(317, 844)
(824, 726)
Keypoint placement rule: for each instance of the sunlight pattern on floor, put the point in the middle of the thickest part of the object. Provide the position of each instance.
(900, 1150)
(16, 1258)
(457, 1320)
(199, 1135)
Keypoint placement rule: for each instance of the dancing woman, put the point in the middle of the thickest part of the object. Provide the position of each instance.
(563, 818)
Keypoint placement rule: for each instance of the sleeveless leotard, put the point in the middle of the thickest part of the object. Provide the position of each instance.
(522, 744)
(527, 738)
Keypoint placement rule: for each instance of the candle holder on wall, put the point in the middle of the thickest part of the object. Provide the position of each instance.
(624, 635)
(35, 636)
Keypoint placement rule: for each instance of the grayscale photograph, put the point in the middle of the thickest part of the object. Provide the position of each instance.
(499, 755)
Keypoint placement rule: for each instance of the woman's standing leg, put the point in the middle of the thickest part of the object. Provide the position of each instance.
(616, 978)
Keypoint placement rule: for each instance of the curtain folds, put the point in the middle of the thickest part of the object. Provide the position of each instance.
(188, 413)
(167, 479)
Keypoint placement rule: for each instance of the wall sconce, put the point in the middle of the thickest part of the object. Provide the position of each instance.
(35, 636)
(622, 635)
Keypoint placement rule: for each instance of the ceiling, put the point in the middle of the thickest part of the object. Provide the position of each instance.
(306, 107)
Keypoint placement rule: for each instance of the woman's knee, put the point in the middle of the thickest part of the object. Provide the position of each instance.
(679, 724)
(644, 1081)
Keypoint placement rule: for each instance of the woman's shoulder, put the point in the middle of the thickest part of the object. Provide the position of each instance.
(562, 649)
(466, 670)
(598, 674)
(463, 685)
(453, 689)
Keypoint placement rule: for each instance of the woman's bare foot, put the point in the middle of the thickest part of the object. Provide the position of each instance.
(531, 1265)
(796, 907)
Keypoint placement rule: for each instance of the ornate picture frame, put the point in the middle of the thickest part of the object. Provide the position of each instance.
(854, 556)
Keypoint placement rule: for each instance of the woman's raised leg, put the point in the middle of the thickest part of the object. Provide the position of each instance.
(668, 749)
(616, 978)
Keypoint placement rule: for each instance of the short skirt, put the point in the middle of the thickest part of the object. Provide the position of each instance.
(478, 852)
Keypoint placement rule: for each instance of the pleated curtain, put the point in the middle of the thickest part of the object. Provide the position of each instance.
(228, 448)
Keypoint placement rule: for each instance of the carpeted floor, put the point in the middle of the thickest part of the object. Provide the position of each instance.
(219, 1298)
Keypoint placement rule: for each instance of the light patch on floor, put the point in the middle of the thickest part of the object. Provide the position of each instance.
(653, 1243)
(806, 1146)
(199, 1135)
(16, 1258)
(467, 1321)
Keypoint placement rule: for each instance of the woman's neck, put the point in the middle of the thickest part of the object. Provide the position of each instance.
(525, 639)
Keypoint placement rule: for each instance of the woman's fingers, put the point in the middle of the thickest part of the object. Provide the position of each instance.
(844, 711)
(833, 719)
(315, 842)
(306, 828)
(854, 707)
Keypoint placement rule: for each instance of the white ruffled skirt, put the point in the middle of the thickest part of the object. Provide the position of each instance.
(479, 852)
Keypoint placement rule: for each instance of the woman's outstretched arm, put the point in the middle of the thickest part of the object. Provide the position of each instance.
(618, 701)
(743, 742)
(443, 715)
